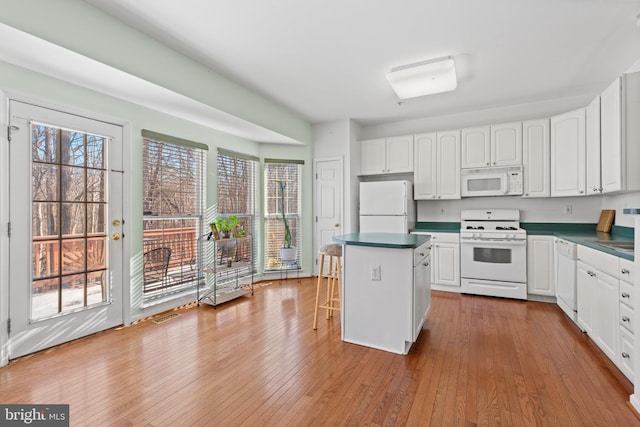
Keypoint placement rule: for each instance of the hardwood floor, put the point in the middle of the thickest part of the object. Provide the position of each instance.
(257, 361)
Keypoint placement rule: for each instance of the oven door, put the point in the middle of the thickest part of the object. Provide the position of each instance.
(494, 259)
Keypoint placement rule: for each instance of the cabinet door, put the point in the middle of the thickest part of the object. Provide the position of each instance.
(448, 164)
(372, 157)
(536, 158)
(568, 154)
(540, 266)
(446, 264)
(592, 136)
(611, 130)
(476, 147)
(606, 313)
(400, 154)
(585, 297)
(506, 144)
(425, 172)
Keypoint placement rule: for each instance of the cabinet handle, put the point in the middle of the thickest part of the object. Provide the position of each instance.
(591, 273)
(625, 295)
(426, 264)
(625, 355)
(581, 192)
(625, 319)
(421, 254)
(488, 164)
(624, 271)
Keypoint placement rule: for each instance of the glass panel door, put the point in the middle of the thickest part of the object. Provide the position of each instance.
(66, 216)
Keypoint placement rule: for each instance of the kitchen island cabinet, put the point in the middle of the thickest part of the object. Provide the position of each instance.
(386, 291)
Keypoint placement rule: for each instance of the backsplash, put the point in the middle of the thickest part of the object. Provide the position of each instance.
(583, 209)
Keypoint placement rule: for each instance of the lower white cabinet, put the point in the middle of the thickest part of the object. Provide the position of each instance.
(606, 304)
(445, 261)
(445, 253)
(540, 266)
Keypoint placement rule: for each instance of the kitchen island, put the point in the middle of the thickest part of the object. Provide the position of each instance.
(386, 291)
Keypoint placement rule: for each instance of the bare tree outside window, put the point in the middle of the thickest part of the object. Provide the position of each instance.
(173, 194)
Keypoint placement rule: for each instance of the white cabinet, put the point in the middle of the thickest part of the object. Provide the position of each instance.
(445, 254)
(611, 128)
(495, 145)
(592, 154)
(536, 158)
(585, 297)
(386, 155)
(626, 331)
(606, 301)
(476, 147)
(437, 166)
(606, 313)
(506, 144)
(568, 154)
(598, 307)
(540, 266)
(620, 130)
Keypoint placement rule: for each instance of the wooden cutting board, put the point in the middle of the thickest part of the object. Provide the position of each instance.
(606, 220)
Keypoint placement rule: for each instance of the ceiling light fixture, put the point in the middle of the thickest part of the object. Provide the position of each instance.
(423, 78)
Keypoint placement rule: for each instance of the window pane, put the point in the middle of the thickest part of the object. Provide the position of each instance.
(73, 292)
(45, 182)
(73, 219)
(282, 194)
(45, 144)
(71, 148)
(173, 194)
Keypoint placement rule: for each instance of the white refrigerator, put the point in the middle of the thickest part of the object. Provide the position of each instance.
(387, 207)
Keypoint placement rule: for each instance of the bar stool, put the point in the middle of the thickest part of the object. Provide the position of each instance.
(333, 276)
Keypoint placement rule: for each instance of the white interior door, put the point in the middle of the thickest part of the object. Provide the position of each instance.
(328, 207)
(65, 209)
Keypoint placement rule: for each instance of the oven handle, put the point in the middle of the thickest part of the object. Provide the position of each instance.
(493, 242)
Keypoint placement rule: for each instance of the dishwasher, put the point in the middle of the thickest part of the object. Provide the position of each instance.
(566, 278)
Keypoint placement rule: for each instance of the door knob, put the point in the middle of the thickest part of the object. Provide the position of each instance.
(337, 225)
(115, 236)
(116, 222)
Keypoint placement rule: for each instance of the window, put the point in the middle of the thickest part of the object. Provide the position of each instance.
(286, 174)
(173, 199)
(237, 195)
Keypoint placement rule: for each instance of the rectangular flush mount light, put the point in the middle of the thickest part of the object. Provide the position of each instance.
(423, 78)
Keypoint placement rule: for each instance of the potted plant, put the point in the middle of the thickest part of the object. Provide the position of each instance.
(227, 225)
(287, 252)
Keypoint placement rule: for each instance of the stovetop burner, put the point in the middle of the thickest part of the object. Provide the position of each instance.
(477, 227)
(506, 228)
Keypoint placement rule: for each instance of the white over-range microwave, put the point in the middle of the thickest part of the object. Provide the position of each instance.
(502, 181)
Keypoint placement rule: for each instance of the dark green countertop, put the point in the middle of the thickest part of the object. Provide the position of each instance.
(383, 240)
(437, 227)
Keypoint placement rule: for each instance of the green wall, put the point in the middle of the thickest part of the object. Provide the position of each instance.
(26, 85)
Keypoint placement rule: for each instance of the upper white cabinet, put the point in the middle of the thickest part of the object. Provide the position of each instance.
(536, 158)
(437, 166)
(568, 154)
(386, 155)
(476, 147)
(612, 147)
(592, 154)
(495, 145)
(506, 144)
(620, 130)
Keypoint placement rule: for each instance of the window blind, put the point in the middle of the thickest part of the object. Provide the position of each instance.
(173, 204)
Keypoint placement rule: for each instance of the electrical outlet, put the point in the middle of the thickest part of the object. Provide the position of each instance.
(375, 272)
(568, 209)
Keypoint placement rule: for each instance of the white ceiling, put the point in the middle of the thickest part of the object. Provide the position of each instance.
(327, 60)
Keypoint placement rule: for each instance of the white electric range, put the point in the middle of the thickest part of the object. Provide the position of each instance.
(493, 253)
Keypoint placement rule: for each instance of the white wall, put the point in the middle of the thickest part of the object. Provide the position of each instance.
(619, 203)
(585, 209)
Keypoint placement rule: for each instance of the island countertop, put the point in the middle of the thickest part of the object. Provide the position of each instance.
(383, 240)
